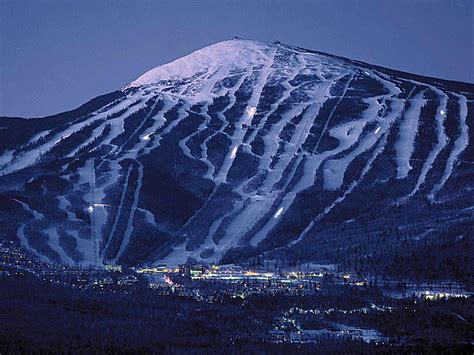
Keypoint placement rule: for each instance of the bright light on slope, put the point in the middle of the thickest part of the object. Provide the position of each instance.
(101, 205)
(280, 210)
(90, 209)
(233, 153)
(146, 137)
(250, 111)
(377, 130)
(442, 112)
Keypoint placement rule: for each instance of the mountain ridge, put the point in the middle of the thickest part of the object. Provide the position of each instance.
(271, 152)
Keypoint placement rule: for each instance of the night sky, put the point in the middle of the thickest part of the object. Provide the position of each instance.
(56, 55)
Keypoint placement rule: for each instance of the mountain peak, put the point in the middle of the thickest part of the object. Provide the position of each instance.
(203, 74)
(240, 150)
(230, 54)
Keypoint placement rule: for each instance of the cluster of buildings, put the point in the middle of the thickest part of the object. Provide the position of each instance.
(200, 281)
(213, 281)
(14, 261)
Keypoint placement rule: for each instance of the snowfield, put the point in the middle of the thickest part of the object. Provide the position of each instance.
(242, 149)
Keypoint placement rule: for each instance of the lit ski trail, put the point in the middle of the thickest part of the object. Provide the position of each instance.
(245, 119)
(258, 207)
(311, 165)
(441, 142)
(139, 128)
(301, 134)
(95, 134)
(323, 131)
(129, 230)
(204, 124)
(31, 156)
(299, 138)
(146, 145)
(119, 211)
(21, 230)
(53, 242)
(118, 124)
(213, 88)
(231, 93)
(10, 155)
(406, 138)
(347, 135)
(334, 170)
(86, 176)
(203, 147)
(460, 145)
(275, 105)
(178, 252)
(352, 186)
(153, 141)
(271, 140)
(63, 205)
(236, 141)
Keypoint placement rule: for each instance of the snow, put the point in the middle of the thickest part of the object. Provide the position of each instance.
(233, 152)
(129, 230)
(240, 130)
(119, 210)
(278, 213)
(264, 200)
(407, 134)
(53, 242)
(30, 156)
(205, 67)
(250, 111)
(460, 144)
(441, 141)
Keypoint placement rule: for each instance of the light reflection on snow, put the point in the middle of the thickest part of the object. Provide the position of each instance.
(278, 213)
(146, 137)
(250, 111)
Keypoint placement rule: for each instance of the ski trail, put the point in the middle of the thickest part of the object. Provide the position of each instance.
(29, 157)
(347, 134)
(204, 157)
(408, 131)
(442, 140)
(352, 186)
(119, 210)
(53, 241)
(63, 205)
(129, 230)
(245, 119)
(460, 145)
(289, 89)
(332, 113)
(21, 231)
(334, 170)
(258, 207)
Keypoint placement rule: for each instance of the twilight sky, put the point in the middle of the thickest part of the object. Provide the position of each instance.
(57, 54)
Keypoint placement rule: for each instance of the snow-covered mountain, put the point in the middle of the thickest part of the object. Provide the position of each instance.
(240, 151)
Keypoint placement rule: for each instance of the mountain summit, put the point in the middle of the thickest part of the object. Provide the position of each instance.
(245, 151)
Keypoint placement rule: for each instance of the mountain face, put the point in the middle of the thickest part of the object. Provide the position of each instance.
(245, 151)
